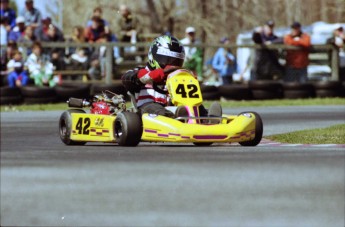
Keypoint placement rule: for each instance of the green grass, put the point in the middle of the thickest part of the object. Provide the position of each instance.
(225, 104)
(331, 135)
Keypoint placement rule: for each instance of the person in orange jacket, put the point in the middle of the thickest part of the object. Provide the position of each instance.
(297, 61)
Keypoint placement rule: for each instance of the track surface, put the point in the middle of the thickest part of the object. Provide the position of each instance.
(45, 183)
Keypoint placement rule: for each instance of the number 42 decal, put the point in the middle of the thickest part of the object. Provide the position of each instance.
(192, 90)
(83, 129)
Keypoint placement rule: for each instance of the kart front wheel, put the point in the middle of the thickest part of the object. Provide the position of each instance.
(258, 132)
(65, 127)
(128, 129)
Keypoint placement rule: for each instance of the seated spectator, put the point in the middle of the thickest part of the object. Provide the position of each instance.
(98, 60)
(31, 14)
(18, 31)
(266, 65)
(95, 70)
(40, 69)
(43, 30)
(297, 61)
(8, 54)
(94, 32)
(193, 60)
(17, 75)
(224, 62)
(79, 60)
(28, 36)
(97, 12)
(129, 28)
(76, 37)
(7, 12)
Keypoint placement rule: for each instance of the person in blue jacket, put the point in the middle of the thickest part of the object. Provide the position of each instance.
(224, 62)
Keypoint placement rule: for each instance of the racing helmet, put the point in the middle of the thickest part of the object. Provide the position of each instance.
(165, 50)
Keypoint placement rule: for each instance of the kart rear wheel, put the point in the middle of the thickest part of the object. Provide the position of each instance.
(128, 129)
(65, 127)
(258, 132)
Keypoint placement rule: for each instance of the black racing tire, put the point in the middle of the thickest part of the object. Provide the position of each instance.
(327, 85)
(324, 93)
(128, 129)
(266, 94)
(203, 144)
(116, 87)
(65, 127)
(64, 92)
(40, 100)
(37, 92)
(293, 90)
(298, 94)
(214, 95)
(208, 88)
(266, 85)
(235, 92)
(10, 91)
(11, 100)
(258, 132)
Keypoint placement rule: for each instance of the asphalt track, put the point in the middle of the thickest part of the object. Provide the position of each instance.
(45, 183)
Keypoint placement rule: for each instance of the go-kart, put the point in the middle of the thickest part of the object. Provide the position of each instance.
(111, 121)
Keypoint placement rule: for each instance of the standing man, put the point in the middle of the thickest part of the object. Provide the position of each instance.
(266, 65)
(193, 59)
(32, 15)
(224, 62)
(297, 61)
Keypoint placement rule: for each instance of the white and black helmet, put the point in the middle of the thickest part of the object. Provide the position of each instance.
(165, 50)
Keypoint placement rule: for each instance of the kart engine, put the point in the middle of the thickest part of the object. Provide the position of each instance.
(101, 104)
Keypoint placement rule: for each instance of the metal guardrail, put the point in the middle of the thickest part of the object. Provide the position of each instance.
(110, 46)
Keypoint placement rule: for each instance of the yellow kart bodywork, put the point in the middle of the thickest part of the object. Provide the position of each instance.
(92, 127)
(156, 128)
(129, 128)
(231, 129)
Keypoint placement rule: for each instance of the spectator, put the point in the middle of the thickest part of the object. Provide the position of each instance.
(7, 12)
(32, 15)
(42, 31)
(77, 57)
(297, 61)
(28, 36)
(3, 32)
(193, 59)
(97, 12)
(40, 69)
(266, 65)
(18, 31)
(17, 75)
(224, 62)
(11, 48)
(96, 31)
(99, 60)
(338, 40)
(129, 28)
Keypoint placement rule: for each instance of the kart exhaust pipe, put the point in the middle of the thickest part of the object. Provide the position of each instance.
(77, 103)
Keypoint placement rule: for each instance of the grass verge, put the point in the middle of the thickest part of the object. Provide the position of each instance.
(331, 135)
(224, 103)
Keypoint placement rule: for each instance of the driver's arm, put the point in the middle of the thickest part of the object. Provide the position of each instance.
(148, 77)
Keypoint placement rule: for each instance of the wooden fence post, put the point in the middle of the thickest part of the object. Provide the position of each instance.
(109, 63)
(335, 64)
